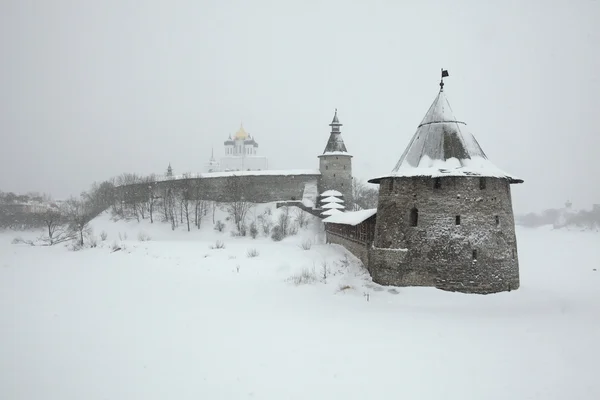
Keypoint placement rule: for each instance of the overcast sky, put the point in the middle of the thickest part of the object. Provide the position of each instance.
(92, 89)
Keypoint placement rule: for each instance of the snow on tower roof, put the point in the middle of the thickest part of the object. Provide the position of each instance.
(351, 218)
(332, 199)
(333, 205)
(331, 211)
(444, 146)
(328, 193)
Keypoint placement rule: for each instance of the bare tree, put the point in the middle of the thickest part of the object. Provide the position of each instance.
(78, 215)
(57, 228)
(365, 196)
(237, 206)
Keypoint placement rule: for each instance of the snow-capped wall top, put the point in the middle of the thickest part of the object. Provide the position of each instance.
(444, 146)
(351, 218)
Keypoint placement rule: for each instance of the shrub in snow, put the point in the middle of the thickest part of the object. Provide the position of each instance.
(284, 220)
(219, 226)
(324, 271)
(305, 277)
(143, 237)
(301, 218)
(253, 230)
(243, 230)
(277, 233)
(123, 236)
(251, 253)
(115, 246)
(306, 245)
(218, 245)
(343, 288)
(293, 229)
(93, 242)
(103, 236)
(266, 223)
(75, 245)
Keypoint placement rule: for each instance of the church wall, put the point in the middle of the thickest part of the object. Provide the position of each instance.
(439, 252)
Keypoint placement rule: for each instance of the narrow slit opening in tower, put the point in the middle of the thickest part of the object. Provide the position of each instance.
(497, 220)
(482, 183)
(457, 220)
(414, 217)
(437, 183)
(474, 254)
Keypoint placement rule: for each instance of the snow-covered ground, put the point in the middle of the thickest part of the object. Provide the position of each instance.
(171, 318)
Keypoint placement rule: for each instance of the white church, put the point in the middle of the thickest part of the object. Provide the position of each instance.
(240, 155)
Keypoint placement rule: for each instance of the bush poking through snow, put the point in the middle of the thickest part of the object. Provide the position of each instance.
(20, 240)
(115, 246)
(103, 236)
(219, 226)
(143, 237)
(243, 230)
(253, 230)
(123, 236)
(306, 245)
(265, 221)
(305, 277)
(324, 271)
(218, 245)
(251, 253)
(93, 241)
(343, 288)
(277, 234)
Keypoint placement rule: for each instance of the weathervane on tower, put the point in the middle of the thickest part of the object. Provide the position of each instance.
(444, 74)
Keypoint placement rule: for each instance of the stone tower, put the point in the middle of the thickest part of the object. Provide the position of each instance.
(335, 164)
(444, 217)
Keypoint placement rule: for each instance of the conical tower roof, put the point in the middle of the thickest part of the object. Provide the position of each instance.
(444, 146)
(335, 144)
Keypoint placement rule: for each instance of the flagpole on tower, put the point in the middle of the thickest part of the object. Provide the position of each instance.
(444, 74)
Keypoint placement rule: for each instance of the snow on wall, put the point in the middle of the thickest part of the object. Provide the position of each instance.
(351, 218)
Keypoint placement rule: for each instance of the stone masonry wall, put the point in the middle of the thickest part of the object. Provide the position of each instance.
(360, 250)
(479, 255)
(255, 188)
(336, 174)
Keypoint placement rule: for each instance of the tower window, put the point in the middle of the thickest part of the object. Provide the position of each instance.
(497, 220)
(457, 220)
(437, 183)
(513, 254)
(414, 217)
(327, 167)
(474, 254)
(482, 184)
(334, 175)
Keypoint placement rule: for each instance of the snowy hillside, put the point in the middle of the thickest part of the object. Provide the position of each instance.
(176, 317)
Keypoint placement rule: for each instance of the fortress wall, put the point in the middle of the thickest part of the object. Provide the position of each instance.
(260, 188)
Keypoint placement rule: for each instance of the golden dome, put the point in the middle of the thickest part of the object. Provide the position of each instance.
(241, 134)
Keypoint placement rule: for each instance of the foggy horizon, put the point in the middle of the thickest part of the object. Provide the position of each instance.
(94, 90)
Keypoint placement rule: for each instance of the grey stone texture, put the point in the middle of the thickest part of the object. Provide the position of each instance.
(464, 239)
(336, 174)
(254, 188)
